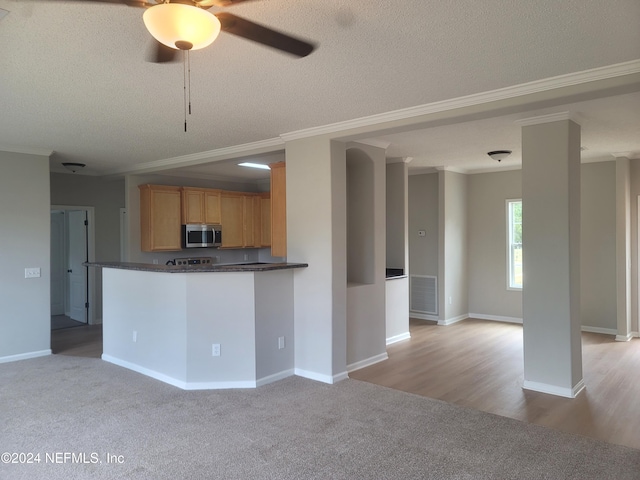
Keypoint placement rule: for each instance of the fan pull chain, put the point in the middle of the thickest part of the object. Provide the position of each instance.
(189, 77)
(184, 85)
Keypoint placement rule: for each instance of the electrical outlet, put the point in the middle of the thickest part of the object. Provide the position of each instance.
(215, 350)
(280, 343)
(135, 336)
(32, 272)
(246, 257)
(450, 300)
(155, 261)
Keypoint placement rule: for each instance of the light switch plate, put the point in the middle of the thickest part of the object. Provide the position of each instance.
(32, 272)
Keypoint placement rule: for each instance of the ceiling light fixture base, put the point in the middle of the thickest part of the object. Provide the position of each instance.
(73, 166)
(499, 155)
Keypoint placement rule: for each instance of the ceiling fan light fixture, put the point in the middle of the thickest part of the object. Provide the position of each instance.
(177, 25)
(499, 155)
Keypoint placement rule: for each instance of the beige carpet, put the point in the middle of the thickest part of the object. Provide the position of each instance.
(75, 411)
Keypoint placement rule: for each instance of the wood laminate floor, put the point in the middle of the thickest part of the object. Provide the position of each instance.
(479, 364)
(84, 341)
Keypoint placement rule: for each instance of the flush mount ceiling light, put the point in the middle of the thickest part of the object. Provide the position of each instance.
(499, 154)
(74, 167)
(254, 165)
(181, 26)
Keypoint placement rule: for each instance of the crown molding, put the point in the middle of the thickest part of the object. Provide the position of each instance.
(552, 117)
(226, 153)
(372, 142)
(629, 155)
(26, 150)
(567, 80)
(399, 160)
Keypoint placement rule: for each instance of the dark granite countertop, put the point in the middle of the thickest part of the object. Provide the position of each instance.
(238, 267)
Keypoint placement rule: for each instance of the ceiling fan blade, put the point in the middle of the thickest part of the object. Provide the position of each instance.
(162, 54)
(266, 36)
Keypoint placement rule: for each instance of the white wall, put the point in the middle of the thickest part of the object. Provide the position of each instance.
(488, 294)
(598, 245)
(107, 197)
(423, 215)
(635, 254)
(316, 234)
(397, 249)
(366, 227)
(25, 320)
(274, 319)
(452, 279)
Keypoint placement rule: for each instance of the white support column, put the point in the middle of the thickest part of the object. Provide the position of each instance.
(623, 249)
(551, 255)
(316, 234)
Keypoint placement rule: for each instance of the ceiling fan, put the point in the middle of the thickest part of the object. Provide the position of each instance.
(188, 25)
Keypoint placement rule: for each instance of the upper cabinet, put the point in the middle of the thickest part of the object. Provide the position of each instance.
(278, 210)
(200, 205)
(241, 219)
(232, 211)
(160, 218)
(265, 219)
(245, 217)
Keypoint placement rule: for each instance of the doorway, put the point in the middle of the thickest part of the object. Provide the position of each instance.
(71, 281)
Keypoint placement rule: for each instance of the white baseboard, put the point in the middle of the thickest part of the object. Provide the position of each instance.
(624, 338)
(554, 389)
(423, 316)
(604, 331)
(499, 318)
(366, 362)
(25, 356)
(398, 338)
(274, 378)
(451, 321)
(496, 318)
(174, 381)
(320, 377)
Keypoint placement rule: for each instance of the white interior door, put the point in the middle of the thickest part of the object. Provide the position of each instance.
(77, 272)
(58, 263)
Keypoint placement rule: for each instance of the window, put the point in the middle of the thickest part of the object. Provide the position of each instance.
(514, 243)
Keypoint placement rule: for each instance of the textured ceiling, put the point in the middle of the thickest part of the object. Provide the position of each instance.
(73, 76)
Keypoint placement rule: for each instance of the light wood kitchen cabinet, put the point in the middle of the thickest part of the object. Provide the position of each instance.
(232, 219)
(160, 218)
(278, 210)
(200, 205)
(212, 207)
(265, 220)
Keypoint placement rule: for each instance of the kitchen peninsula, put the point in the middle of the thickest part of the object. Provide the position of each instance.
(200, 326)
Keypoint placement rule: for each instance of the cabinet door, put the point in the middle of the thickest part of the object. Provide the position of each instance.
(248, 217)
(160, 215)
(278, 210)
(212, 206)
(193, 206)
(265, 220)
(257, 221)
(231, 210)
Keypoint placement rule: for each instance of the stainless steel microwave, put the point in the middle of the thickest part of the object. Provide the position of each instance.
(201, 236)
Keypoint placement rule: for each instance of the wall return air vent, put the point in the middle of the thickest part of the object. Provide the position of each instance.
(424, 294)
